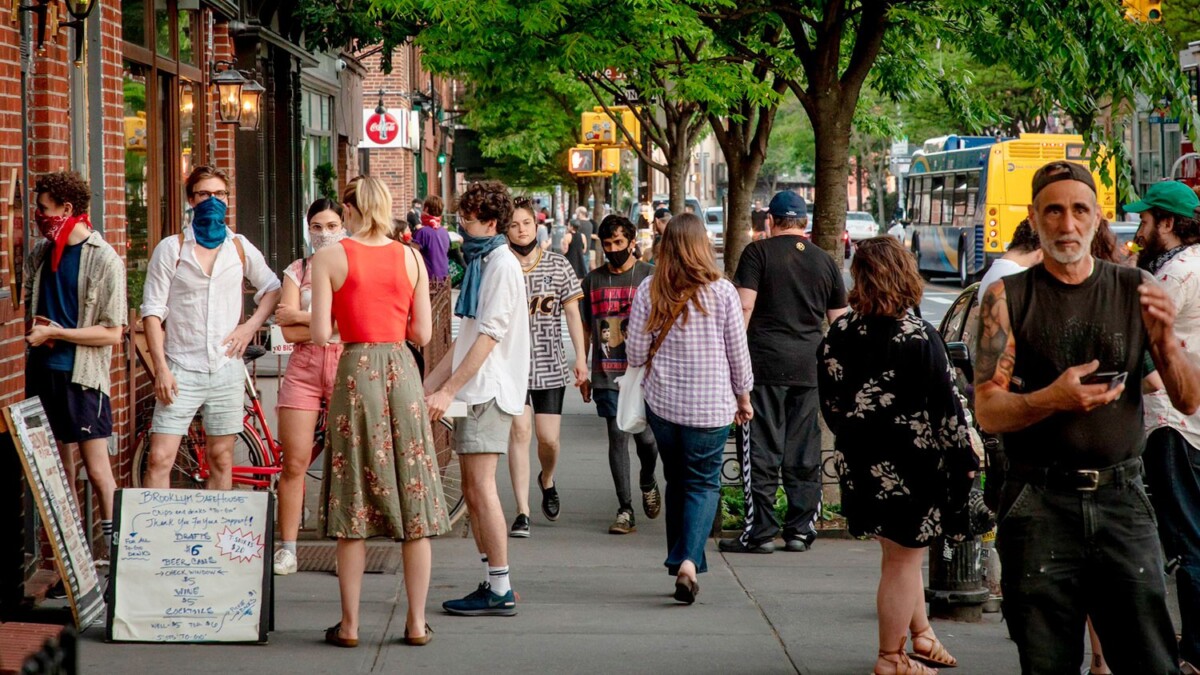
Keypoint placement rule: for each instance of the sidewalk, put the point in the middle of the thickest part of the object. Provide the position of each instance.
(590, 603)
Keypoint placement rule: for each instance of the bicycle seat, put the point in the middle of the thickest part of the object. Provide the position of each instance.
(253, 353)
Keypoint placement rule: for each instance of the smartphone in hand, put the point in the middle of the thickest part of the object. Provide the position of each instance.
(1113, 379)
(45, 321)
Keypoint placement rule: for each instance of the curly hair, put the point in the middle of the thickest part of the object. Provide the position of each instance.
(1187, 229)
(203, 173)
(524, 203)
(886, 281)
(612, 225)
(66, 187)
(1025, 239)
(488, 200)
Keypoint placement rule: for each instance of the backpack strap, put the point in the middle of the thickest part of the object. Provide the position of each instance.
(237, 243)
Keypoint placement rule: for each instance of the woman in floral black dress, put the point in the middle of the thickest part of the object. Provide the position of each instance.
(903, 450)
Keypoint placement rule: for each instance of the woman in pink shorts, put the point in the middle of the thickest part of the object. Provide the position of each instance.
(308, 381)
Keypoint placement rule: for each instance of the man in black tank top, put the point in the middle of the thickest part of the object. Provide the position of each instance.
(1058, 375)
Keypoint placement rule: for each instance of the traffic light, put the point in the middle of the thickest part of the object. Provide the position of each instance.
(610, 160)
(441, 158)
(1143, 10)
(582, 160)
(599, 128)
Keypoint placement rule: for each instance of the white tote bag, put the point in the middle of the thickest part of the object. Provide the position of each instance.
(631, 403)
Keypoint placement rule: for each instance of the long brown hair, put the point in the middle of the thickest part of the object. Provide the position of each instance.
(684, 263)
(1104, 243)
(886, 281)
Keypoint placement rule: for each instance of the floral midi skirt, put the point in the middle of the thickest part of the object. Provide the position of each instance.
(381, 474)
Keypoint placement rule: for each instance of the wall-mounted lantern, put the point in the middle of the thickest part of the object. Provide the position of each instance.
(79, 10)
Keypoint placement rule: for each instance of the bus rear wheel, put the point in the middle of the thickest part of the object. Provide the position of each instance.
(916, 251)
(964, 276)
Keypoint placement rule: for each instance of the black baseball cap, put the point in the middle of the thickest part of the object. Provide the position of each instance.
(662, 213)
(1061, 170)
(788, 204)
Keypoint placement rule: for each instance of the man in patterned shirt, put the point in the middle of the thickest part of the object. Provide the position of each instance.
(553, 290)
(607, 298)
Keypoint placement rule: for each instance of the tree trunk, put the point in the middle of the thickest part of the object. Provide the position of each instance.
(583, 187)
(737, 226)
(858, 182)
(881, 200)
(831, 129)
(598, 194)
(677, 180)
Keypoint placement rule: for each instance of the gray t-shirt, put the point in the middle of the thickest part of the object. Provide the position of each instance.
(607, 300)
(551, 284)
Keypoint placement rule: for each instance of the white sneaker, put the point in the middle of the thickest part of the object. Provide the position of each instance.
(285, 562)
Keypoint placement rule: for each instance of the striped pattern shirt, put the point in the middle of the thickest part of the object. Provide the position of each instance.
(702, 366)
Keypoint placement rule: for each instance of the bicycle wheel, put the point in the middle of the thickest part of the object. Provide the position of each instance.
(248, 451)
(451, 475)
(185, 472)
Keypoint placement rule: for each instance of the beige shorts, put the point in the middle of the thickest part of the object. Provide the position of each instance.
(484, 431)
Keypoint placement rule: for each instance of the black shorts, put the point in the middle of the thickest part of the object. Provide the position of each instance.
(76, 413)
(546, 401)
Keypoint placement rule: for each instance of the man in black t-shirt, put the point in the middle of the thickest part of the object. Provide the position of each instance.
(788, 287)
(1058, 375)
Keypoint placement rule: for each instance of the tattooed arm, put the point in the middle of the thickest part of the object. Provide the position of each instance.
(999, 410)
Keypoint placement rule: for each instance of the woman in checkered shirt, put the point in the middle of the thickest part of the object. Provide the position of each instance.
(686, 327)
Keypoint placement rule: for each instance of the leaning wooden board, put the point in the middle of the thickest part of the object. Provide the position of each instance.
(57, 507)
(191, 566)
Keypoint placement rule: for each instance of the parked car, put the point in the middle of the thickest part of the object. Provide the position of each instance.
(714, 222)
(847, 242)
(688, 202)
(861, 225)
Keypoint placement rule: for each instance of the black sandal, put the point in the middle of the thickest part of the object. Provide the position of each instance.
(686, 591)
(332, 637)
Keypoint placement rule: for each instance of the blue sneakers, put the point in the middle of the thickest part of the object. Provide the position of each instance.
(483, 602)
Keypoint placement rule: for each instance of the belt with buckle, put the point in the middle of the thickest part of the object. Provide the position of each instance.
(1081, 480)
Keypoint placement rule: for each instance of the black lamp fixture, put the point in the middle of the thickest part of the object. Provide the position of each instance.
(239, 96)
(80, 10)
(47, 13)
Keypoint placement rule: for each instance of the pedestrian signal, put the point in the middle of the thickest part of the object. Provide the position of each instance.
(582, 160)
(610, 160)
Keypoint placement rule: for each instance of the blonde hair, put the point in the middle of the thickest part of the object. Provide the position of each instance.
(373, 201)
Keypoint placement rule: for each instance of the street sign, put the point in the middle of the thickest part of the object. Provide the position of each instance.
(632, 95)
(613, 74)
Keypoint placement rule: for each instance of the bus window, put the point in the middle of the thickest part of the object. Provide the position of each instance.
(961, 198)
(925, 198)
(936, 196)
(972, 192)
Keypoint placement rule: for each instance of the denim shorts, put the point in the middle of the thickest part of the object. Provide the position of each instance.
(606, 402)
(219, 396)
(484, 431)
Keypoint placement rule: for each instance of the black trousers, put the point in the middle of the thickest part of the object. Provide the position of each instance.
(1068, 555)
(784, 439)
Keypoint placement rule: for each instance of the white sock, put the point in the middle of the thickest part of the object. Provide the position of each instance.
(498, 578)
(483, 559)
(289, 546)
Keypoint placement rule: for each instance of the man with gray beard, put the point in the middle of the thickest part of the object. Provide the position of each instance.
(1077, 536)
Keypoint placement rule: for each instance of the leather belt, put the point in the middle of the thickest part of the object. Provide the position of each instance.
(1081, 480)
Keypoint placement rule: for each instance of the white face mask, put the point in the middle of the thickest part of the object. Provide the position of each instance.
(320, 240)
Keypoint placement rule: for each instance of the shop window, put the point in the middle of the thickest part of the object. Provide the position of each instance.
(133, 21)
(137, 186)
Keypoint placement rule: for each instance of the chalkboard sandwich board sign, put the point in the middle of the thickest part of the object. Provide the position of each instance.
(26, 422)
(191, 566)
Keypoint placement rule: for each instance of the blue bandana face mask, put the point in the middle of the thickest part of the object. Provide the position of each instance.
(208, 222)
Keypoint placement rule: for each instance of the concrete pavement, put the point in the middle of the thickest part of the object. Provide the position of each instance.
(590, 602)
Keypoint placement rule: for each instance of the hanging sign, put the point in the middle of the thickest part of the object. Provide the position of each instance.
(386, 130)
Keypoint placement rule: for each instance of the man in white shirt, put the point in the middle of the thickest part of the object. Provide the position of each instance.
(1024, 251)
(1170, 238)
(488, 369)
(195, 281)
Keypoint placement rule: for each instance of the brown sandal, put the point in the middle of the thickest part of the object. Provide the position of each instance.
(332, 637)
(936, 655)
(904, 665)
(418, 641)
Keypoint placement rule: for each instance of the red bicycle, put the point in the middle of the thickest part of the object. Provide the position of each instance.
(258, 457)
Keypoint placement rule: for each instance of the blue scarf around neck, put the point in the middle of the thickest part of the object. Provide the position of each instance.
(474, 250)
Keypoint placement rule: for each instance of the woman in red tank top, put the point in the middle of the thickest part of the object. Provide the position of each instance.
(381, 475)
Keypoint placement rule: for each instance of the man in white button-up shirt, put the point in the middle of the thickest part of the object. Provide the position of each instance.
(195, 283)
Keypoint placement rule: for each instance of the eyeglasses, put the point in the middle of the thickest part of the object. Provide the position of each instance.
(205, 194)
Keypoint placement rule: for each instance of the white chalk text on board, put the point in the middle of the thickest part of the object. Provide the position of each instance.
(191, 566)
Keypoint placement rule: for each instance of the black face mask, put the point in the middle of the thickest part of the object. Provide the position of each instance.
(618, 258)
(523, 249)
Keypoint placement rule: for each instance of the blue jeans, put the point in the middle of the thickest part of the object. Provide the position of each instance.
(1068, 555)
(691, 459)
(1173, 479)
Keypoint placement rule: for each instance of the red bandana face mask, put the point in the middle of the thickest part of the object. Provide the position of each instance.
(58, 229)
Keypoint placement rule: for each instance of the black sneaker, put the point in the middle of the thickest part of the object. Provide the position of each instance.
(483, 602)
(799, 543)
(520, 527)
(736, 546)
(550, 505)
(57, 591)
